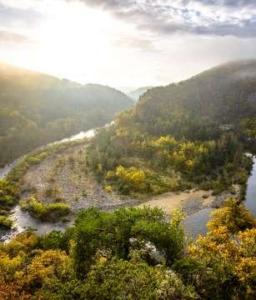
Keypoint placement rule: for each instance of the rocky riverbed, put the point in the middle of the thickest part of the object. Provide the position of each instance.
(63, 177)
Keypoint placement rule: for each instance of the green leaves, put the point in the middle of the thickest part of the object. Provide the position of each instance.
(45, 212)
(101, 231)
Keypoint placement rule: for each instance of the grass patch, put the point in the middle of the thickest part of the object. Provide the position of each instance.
(45, 212)
(8, 195)
(5, 222)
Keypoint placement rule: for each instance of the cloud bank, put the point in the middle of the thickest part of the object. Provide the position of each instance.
(209, 17)
(10, 16)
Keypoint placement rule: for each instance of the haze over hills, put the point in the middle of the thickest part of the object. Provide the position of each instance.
(143, 192)
(135, 94)
(38, 108)
(222, 95)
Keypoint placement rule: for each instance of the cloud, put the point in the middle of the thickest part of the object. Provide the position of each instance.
(10, 15)
(229, 3)
(209, 17)
(7, 37)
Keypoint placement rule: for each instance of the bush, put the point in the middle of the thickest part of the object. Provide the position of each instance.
(233, 215)
(138, 182)
(8, 194)
(112, 232)
(119, 279)
(5, 222)
(45, 212)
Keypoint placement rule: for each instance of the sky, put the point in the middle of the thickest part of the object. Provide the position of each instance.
(126, 43)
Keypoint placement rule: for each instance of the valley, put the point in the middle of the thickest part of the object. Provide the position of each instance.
(62, 177)
(127, 150)
(160, 194)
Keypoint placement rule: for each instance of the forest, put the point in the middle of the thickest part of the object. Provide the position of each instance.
(134, 253)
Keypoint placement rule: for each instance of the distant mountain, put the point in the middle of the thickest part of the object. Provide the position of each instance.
(36, 108)
(135, 95)
(221, 96)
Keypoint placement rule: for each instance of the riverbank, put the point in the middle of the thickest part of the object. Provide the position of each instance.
(190, 201)
(196, 204)
(61, 176)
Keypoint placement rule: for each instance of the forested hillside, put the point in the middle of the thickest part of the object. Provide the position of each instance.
(199, 108)
(36, 109)
(182, 135)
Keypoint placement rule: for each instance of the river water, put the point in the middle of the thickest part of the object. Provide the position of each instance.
(250, 196)
(193, 224)
(196, 223)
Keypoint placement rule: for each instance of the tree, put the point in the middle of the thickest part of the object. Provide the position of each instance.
(120, 279)
(233, 215)
(111, 234)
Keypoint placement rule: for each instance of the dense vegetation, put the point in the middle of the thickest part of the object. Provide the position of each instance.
(203, 106)
(8, 197)
(193, 133)
(134, 254)
(36, 109)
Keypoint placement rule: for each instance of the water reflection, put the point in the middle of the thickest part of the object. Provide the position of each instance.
(250, 196)
(195, 224)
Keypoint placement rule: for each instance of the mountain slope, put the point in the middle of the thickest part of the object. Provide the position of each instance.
(220, 96)
(182, 135)
(36, 109)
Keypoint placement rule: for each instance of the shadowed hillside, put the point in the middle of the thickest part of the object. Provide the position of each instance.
(36, 109)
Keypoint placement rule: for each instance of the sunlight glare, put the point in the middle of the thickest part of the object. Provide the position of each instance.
(74, 36)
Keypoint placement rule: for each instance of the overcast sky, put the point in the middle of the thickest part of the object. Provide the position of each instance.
(126, 43)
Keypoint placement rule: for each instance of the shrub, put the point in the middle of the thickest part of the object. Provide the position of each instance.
(45, 212)
(8, 193)
(119, 279)
(5, 222)
(140, 182)
(234, 216)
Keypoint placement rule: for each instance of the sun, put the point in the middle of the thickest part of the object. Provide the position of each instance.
(74, 36)
(71, 37)
(87, 44)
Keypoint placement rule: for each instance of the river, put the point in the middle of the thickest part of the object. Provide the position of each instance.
(250, 196)
(76, 137)
(196, 223)
(193, 224)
